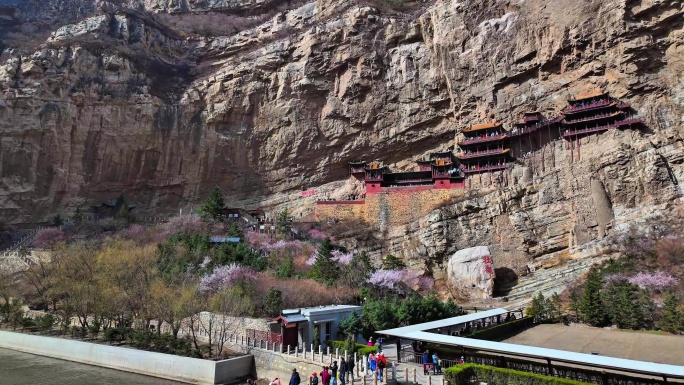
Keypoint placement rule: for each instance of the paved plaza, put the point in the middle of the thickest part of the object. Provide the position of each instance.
(18, 368)
(644, 346)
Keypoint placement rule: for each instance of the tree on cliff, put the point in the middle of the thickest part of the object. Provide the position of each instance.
(392, 262)
(213, 206)
(324, 268)
(284, 223)
(591, 304)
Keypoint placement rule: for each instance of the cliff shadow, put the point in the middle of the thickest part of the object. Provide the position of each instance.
(505, 280)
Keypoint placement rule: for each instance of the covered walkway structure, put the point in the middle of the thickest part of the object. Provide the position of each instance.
(560, 363)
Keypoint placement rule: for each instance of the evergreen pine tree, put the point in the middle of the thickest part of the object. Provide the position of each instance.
(575, 302)
(123, 213)
(234, 230)
(317, 336)
(213, 206)
(672, 320)
(391, 262)
(284, 223)
(77, 217)
(620, 302)
(591, 305)
(554, 307)
(324, 269)
(57, 220)
(286, 268)
(537, 308)
(273, 302)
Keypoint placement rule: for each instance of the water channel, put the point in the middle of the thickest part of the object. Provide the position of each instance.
(18, 368)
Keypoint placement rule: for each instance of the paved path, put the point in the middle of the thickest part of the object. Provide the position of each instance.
(643, 346)
(390, 351)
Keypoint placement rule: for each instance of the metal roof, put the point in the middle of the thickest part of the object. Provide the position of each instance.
(294, 318)
(224, 239)
(417, 332)
(444, 322)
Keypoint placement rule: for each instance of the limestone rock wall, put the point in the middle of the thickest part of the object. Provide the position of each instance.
(108, 97)
(117, 101)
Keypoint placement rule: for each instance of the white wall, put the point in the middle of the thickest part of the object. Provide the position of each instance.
(185, 369)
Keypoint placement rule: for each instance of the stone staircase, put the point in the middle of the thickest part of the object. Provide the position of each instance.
(25, 240)
(13, 261)
(548, 281)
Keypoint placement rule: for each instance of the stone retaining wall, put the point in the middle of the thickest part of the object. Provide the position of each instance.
(392, 206)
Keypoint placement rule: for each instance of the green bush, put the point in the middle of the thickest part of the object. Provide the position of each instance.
(463, 374)
(45, 322)
(113, 334)
(365, 350)
(360, 349)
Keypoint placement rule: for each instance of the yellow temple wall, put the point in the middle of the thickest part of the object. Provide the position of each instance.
(392, 206)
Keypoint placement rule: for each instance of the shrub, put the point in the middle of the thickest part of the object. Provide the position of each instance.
(545, 309)
(113, 334)
(46, 238)
(464, 373)
(393, 279)
(365, 350)
(317, 234)
(45, 322)
(136, 233)
(223, 276)
(359, 349)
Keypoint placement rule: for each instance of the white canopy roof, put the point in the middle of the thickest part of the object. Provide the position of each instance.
(418, 333)
(445, 322)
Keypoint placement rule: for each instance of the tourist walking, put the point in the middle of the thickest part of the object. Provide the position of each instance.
(314, 379)
(295, 379)
(325, 376)
(426, 362)
(382, 364)
(350, 370)
(373, 364)
(370, 341)
(333, 373)
(379, 344)
(343, 371)
(371, 357)
(435, 361)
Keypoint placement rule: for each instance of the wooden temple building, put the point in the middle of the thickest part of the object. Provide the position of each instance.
(488, 147)
(439, 170)
(484, 147)
(592, 113)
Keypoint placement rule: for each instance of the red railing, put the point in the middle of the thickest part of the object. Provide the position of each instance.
(412, 180)
(357, 202)
(482, 153)
(587, 130)
(486, 168)
(355, 170)
(262, 335)
(595, 117)
(527, 119)
(598, 104)
(374, 178)
(483, 140)
(623, 106)
(628, 122)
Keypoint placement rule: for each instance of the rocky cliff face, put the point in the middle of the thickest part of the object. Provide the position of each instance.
(133, 97)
